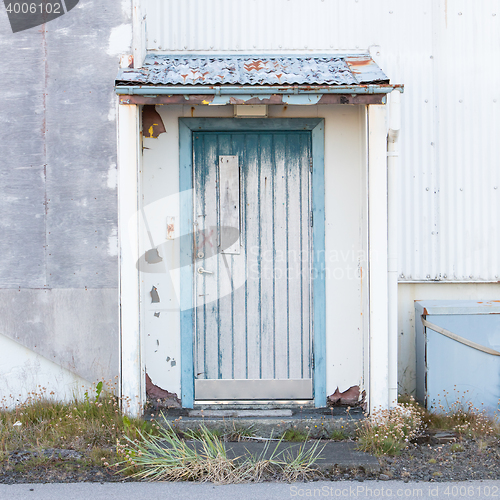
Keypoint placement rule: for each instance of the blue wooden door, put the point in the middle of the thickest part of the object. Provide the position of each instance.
(253, 293)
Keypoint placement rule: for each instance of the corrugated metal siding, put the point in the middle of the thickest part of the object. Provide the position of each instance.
(446, 54)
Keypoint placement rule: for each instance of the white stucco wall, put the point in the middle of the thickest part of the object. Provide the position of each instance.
(345, 207)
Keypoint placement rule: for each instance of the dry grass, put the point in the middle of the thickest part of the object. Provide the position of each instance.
(167, 457)
(92, 426)
(96, 427)
(462, 417)
(389, 432)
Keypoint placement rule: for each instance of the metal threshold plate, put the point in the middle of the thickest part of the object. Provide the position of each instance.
(252, 389)
(240, 413)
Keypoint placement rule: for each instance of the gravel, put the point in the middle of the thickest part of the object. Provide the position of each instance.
(434, 459)
(461, 461)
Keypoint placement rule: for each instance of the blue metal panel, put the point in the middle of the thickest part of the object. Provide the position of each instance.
(187, 320)
(449, 370)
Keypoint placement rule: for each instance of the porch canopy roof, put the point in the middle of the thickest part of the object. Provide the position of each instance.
(338, 79)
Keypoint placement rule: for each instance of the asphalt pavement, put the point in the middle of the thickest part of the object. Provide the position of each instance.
(260, 491)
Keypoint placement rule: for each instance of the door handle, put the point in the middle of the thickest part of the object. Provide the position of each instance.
(203, 271)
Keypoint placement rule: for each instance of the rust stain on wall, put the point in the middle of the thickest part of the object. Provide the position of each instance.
(170, 228)
(152, 124)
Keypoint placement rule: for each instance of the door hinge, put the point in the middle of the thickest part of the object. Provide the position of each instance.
(312, 219)
(310, 164)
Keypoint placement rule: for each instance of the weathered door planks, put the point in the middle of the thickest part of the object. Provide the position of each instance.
(253, 314)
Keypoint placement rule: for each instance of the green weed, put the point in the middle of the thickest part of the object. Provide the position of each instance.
(295, 435)
(339, 435)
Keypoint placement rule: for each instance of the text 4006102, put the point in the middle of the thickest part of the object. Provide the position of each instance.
(34, 8)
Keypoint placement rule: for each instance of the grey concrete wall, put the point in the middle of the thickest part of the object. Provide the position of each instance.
(77, 329)
(58, 197)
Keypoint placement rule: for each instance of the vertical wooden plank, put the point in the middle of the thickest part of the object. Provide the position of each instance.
(306, 245)
(229, 204)
(253, 254)
(224, 279)
(281, 249)
(293, 152)
(319, 304)
(186, 271)
(267, 256)
(209, 281)
(200, 289)
(239, 272)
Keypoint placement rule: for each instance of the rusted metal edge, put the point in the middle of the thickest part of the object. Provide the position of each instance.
(201, 99)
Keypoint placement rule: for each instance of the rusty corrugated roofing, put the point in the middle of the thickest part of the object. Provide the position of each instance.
(239, 70)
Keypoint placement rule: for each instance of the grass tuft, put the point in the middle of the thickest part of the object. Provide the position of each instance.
(339, 435)
(203, 457)
(294, 435)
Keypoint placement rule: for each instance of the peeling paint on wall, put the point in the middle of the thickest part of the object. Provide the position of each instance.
(112, 179)
(154, 295)
(113, 243)
(152, 256)
(152, 124)
(120, 36)
(165, 398)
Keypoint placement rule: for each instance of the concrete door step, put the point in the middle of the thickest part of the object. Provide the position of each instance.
(239, 413)
(266, 427)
